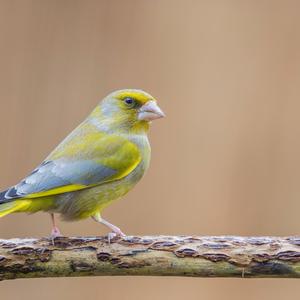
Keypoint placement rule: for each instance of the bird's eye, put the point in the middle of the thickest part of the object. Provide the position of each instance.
(129, 102)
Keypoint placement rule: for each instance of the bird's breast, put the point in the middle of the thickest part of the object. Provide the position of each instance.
(142, 142)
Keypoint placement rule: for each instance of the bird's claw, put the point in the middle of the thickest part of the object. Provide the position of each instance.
(110, 236)
(54, 234)
(115, 234)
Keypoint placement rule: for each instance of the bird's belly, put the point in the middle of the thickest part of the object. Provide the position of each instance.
(86, 203)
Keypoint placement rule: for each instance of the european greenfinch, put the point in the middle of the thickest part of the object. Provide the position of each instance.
(99, 162)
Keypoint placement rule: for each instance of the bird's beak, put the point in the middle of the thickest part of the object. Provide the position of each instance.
(150, 111)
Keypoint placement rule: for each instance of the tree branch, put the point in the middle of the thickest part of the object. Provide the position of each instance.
(224, 256)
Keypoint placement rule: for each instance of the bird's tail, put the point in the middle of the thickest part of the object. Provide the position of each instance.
(8, 206)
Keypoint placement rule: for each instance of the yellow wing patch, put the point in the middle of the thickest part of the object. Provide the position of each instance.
(59, 190)
(102, 150)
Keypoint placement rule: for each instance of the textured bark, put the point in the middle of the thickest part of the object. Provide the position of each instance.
(224, 256)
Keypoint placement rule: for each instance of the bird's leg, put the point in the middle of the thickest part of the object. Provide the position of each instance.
(55, 231)
(116, 231)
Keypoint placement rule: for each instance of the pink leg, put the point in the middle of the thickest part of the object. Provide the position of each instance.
(55, 231)
(116, 231)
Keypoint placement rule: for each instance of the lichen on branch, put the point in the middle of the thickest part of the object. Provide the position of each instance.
(219, 256)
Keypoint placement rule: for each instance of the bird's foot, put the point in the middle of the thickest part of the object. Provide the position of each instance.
(116, 233)
(55, 232)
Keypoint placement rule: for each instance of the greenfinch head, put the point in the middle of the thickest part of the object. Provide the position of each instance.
(129, 108)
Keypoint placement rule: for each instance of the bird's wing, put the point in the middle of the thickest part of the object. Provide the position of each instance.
(76, 164)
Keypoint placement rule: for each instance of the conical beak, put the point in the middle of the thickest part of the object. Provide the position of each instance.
(150, 111)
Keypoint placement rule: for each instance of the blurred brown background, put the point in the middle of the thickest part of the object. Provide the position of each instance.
(225, 161)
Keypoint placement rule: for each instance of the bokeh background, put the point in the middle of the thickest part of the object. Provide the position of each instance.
(226, 160)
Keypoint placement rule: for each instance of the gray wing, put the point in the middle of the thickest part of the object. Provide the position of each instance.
(58, 173)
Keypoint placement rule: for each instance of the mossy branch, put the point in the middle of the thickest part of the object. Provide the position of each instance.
(224, 256)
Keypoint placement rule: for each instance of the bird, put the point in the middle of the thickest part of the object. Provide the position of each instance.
(97, 163)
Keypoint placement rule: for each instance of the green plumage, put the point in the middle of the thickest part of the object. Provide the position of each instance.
(99, 162)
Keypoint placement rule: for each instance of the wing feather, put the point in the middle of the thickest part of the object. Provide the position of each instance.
(78, 164)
